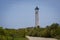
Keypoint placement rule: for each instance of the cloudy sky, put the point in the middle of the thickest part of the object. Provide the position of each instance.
(21, 13)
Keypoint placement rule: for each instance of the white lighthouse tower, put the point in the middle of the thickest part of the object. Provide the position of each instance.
(36, 16)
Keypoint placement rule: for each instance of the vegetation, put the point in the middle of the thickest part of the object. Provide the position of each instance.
(52, 31)
(12, 34)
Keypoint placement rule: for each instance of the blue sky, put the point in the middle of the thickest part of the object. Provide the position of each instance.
(21, 13)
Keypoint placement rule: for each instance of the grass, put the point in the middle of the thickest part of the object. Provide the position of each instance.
(20, 38)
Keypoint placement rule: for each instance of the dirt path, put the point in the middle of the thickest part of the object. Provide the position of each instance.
(39, 38)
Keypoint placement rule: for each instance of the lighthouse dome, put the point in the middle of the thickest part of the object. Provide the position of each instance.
(36, 8)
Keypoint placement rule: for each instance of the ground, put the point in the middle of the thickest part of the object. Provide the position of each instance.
(39, 38)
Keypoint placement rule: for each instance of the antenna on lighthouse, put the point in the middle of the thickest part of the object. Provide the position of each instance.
(37, 3)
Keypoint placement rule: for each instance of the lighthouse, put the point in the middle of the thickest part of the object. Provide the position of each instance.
(36, 16)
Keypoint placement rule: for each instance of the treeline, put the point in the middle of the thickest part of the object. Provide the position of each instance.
(52, 31)
(11, 34)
